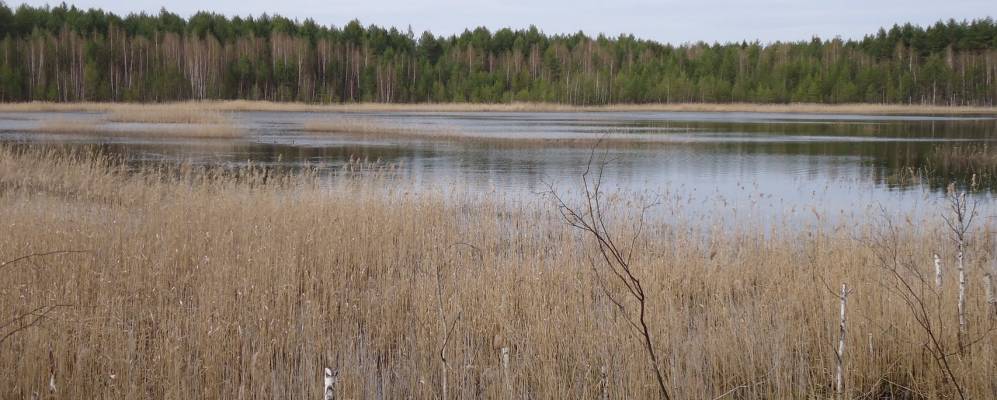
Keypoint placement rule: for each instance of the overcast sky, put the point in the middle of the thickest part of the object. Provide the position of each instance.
(667, 21)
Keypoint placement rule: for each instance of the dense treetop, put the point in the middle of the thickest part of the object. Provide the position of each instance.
(68, 54)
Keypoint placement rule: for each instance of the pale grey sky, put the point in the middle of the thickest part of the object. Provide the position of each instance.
(668, 21)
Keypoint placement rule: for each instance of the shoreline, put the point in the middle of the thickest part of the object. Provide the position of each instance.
(246, 105)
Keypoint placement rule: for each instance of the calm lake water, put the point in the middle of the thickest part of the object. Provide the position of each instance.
(750, 166)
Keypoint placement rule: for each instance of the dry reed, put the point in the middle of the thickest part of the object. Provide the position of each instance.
(225, 130)
(191, 131)
(199, 283)
(173, 114)
(373, 128)
(69, 126)
(245, 105)
(972, 158)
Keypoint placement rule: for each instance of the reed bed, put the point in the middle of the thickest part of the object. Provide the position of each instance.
(972, 165)
(372, 128)
(69, 126)
(971, 158)
(226, 130)
(186, 120)
(365, 127)
(246, 105)
(86, 127)
(188, 113)
(194, 283)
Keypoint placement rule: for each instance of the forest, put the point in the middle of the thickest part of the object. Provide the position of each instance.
(68, 54)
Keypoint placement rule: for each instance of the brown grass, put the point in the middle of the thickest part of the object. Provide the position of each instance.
(244, 105)
(969, 157)
(225, 130)
(69, 126)
(193, 131)
(373, 128)
(189, 113)
(227, 284)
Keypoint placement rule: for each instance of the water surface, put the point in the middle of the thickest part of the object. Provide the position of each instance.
(746, 166)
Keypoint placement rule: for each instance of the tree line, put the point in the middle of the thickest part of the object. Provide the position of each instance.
(64, 53)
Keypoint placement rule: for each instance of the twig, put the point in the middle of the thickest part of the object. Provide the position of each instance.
(43, 254)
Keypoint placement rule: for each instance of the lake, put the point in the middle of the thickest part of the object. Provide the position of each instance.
(744, 166)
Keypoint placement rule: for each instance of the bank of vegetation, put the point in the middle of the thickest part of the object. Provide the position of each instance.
(67, 54)
(273, 106)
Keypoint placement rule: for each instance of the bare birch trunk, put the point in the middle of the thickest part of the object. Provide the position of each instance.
(330, 385)
(988, 282)
(839, 380)
(988, 286)
(505, 369)
(938, 271)
(960, 257)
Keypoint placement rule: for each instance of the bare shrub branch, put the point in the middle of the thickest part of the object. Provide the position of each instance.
(617, 261)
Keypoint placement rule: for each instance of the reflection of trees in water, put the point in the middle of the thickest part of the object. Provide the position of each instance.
(896, 154)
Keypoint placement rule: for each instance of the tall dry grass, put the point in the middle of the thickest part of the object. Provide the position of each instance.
(970, 157)
(181, 113)
(359, 126)
(181, 120)
(367, 127)
(226, 130)
(88, 127)
(362, 127)
(69, 126)
(215, 283)
(246, 105)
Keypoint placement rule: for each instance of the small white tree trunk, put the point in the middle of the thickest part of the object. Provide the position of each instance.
(604, 383)
(938, 271)
(505, 368)
(988, 281)
(505, 359)
(839, 379)
(960, 257)
(988, 285)
(330, 385)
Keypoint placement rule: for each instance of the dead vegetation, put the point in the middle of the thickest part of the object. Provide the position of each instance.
(202, 282)
(370, 128)
(181, 113)
(69, 126)
(969, 158)
(188, 130)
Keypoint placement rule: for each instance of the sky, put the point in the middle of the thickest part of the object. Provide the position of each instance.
(669, 21)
